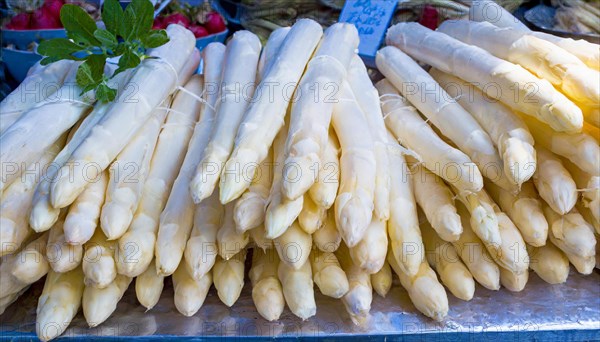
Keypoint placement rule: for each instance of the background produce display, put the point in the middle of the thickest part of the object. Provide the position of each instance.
(201, 20)
(285, 165)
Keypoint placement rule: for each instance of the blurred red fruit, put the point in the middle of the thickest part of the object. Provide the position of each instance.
(43, 20)
(429, 18)
(198, 31)
(20, 21)
(53, 7)
(177, 18)
(159, 24)
(215, 23)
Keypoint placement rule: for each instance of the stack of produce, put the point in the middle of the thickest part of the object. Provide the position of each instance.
(434, 176)
(577, 16)
(264, 16)
(43, 15)
(201, 20)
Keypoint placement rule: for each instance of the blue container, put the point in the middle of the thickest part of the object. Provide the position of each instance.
(18, 62)
(22, 38)
(216, 37)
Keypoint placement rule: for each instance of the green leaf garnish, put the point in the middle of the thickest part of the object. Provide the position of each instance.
(112, 16)
(127, 61)
(59, 48)
(79, 25)
(107, 38)
(155, 38)
(128, 34)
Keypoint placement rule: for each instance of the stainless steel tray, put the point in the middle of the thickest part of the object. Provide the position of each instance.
(564, 312)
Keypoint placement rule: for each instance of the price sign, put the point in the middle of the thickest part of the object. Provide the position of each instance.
(372, 18)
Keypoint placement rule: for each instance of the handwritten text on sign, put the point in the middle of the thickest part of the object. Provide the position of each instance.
(371, 18)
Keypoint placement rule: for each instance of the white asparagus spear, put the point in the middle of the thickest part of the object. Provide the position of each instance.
(18, 271)
(257, 235)
(589, 186)
(16, 201)
(228, 276)
(312, 216)
(12, 288)
(43, 214)
(403, 227)
(229, 241)
(575, 237)
(382, 280)
(149, 286)
(59, 302)
(580, 148)
(235, 90)
(99, 304)
(177, 218)
(28, 137)
(587, 215)
(136, 247)
(447, 162)
(512, 253)
(524, 209)
(498, 233)
(298, 289)
(61, 255)
(474, 254)
(201, 249)
(264, 117)
(328, 274)
(370, 253)
(549, 263)
(294, 246)
(544, 59)
(267, 293)
(354, 203)
(98, 262)
(30, 263)
(445, 113)
(325, 189)
(190, 292)
(512, 84)
(5, 302)
(359, 297)
(311, 111)
(82, 217)
(41, 83)
(487, 10)
(280, 212)
(490, 11)
(508, 132)
(271, 49)
(444, 259)
(327, 238)
(514, 282)
(554, 183)
(588, 53)
(368, 98)
(128, 173)
(591, 116)
(424, 290)
(249, 211)
(437, 202)
(156, 79)
(484, 220)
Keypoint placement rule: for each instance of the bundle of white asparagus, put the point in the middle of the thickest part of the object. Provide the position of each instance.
(289, 159)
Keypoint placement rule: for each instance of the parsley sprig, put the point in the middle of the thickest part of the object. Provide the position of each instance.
(128, 34)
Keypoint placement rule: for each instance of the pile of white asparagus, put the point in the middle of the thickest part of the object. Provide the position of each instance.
(477, 170)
